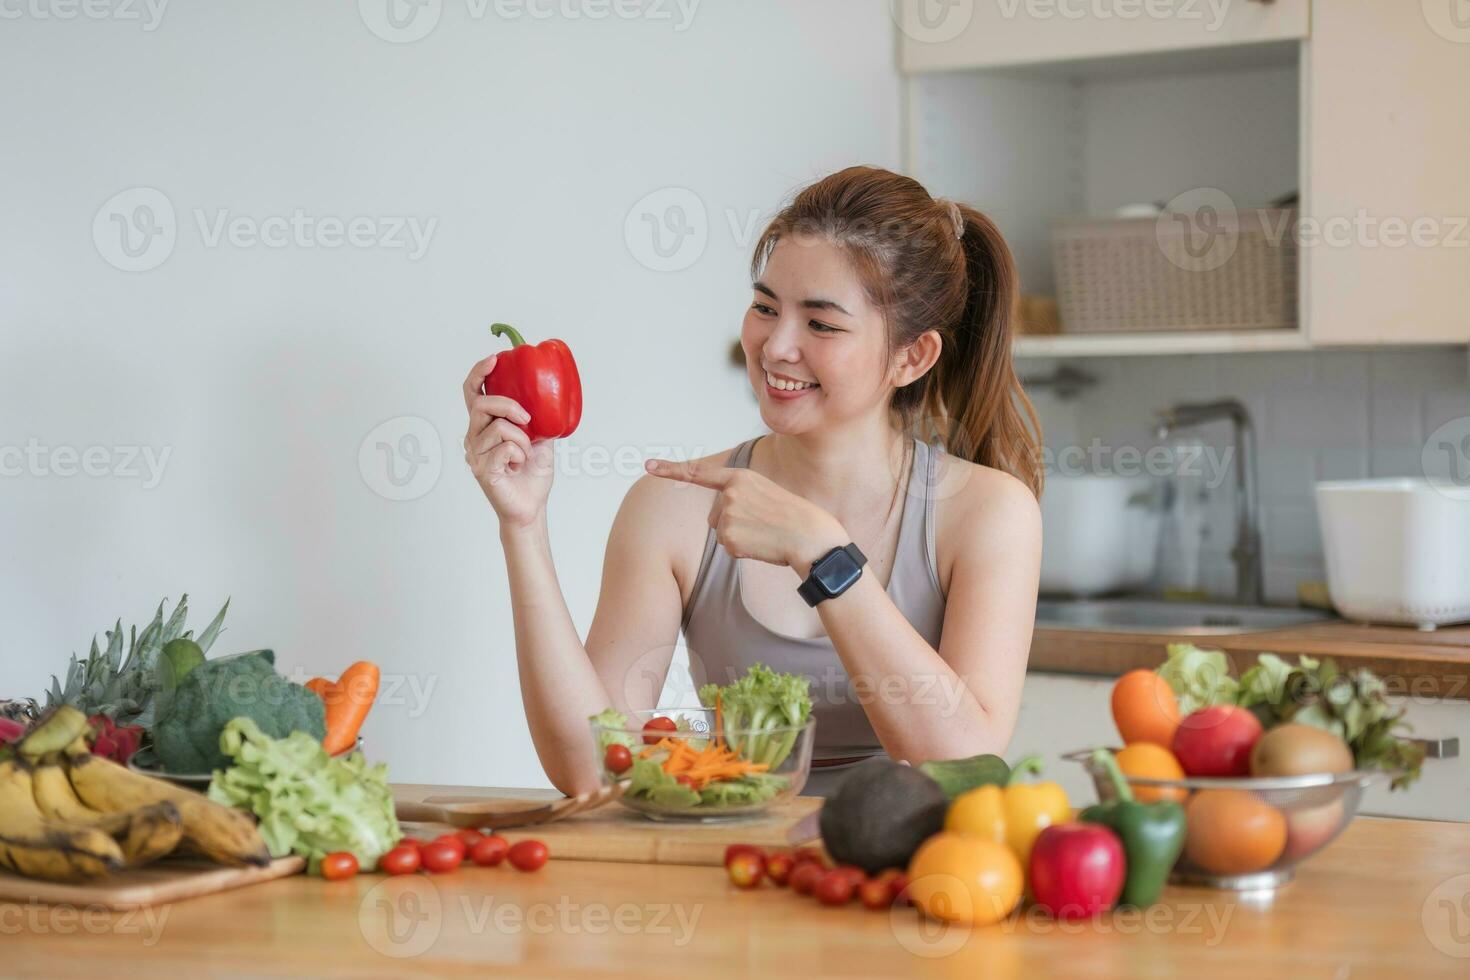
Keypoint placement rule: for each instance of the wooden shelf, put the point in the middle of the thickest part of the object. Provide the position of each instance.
(1183, 342)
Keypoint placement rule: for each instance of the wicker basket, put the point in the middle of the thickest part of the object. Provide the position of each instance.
(1128, 275)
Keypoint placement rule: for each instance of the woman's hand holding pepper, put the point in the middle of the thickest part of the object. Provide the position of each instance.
(514, 471)
(754, 517)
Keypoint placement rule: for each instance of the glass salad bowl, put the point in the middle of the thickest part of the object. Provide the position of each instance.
(1248, 832)
(675, 764)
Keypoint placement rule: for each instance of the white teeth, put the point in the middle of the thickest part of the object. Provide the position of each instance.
(783, 385)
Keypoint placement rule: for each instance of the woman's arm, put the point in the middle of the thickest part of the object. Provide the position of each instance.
(963, 698)
(630, 642)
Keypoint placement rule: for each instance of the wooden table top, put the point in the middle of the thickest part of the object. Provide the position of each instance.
(1390, 898)
(1423, 664)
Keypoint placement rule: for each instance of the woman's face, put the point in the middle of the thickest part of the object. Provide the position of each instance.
(810, 320)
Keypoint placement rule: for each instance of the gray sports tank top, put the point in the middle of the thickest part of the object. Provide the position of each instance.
(724, 639)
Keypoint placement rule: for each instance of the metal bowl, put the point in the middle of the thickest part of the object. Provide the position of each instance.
(1315, 809)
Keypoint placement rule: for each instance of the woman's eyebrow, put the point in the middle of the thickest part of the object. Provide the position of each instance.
(810, 304)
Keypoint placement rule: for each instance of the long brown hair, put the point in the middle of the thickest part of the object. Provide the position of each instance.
(924, 275)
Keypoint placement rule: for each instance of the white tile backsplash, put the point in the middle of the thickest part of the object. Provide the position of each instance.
(1318, 415)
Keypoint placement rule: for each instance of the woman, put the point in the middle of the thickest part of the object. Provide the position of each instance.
(877, 311)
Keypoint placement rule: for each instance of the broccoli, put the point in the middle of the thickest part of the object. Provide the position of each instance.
(187, 736)
(756, 703)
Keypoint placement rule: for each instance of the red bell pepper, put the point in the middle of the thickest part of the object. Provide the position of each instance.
(1077, 870)
(542, 379)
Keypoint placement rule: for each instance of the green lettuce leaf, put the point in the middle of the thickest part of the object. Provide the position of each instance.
(308, 802)
(1198, 677)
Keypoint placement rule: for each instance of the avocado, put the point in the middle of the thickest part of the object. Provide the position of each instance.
(880, 815)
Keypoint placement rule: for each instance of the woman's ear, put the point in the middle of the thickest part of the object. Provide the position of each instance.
(917, 359)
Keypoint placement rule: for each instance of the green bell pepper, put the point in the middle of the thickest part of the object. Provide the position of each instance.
(1152, 834)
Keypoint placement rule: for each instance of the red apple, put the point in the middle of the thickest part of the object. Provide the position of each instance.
(1217, 741)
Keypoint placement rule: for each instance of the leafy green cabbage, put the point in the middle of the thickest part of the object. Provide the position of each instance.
(308, 802)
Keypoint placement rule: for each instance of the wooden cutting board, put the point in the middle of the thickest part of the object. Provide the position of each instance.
(169, 880)
(615, 833)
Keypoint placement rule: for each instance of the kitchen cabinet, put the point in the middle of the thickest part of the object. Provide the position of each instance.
(1061, 713)
(1443, 791)
(1356, 106)
(995, 33)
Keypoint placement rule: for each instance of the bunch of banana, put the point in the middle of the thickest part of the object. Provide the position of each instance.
(66, 814)
(38, 847)
(221, 833)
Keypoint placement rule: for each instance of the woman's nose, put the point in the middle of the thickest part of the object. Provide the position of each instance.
(782, 344)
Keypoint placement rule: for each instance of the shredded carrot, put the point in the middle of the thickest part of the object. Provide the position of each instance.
(710, 764)
(719, 728)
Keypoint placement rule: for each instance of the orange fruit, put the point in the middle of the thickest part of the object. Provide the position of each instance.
(961, 878)
(1145, 708)
(1145, 760)
(1232, 832)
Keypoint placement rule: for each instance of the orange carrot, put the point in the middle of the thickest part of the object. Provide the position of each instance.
(347, 702)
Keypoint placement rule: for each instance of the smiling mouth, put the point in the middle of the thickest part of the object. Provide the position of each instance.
(781, 384)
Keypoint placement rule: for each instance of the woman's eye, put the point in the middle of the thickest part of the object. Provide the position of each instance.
(762, 309)
(821, 327)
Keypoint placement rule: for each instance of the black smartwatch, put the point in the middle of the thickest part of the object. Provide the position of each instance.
(833, 574)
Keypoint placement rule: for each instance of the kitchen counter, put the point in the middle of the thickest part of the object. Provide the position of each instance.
(1377, 902)
(1421, 664)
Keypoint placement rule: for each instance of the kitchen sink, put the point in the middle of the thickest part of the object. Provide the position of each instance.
(1158, 616)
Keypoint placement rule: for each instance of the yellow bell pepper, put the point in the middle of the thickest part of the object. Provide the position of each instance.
(1014, 814)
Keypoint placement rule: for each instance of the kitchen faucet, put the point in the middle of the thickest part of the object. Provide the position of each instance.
(1247, 551)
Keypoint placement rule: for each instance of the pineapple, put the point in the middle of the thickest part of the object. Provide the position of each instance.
(124, 688)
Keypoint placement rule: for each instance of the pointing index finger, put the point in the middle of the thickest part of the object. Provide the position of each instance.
(713, 476)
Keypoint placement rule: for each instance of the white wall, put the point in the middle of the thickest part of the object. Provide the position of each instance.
(262, 370)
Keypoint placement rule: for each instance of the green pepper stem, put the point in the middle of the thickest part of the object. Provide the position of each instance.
(1029, 766)
(499, 329)
(1104, 758)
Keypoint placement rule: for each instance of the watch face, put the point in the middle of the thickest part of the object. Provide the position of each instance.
(836, 572)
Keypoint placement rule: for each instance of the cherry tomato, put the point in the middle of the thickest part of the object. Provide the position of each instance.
(804, 877)
(746, 870)
(528, 855)
(489, 851)
(440, 856)
(835, 888)
(339, 865)
(618, 758)
(801, 854)
(453, 841)
(402, 860)
(779, 867)
(413, 842)
(656, 728)
(855, 874)
(899, 885)
(684, 780)
(735, 849)
(469, 837)
(895, 880)
(875, 894)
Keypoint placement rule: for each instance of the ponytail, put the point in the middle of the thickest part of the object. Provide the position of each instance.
(975, 386)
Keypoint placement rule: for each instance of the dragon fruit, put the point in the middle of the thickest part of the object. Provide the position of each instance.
(10, 730)
(113, 741)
